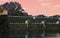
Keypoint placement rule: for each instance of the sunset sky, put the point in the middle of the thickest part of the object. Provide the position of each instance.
(37, 7)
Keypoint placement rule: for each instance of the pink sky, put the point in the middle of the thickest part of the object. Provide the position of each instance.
(36, 7)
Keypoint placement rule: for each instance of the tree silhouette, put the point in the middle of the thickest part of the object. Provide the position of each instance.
(15, 8)
(56, 16)
(41, 16)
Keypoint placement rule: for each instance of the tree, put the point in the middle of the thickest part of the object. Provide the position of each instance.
(14, 8)
(57, 16)
(41, 16)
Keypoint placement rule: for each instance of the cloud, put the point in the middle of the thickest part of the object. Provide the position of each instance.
(57, 6)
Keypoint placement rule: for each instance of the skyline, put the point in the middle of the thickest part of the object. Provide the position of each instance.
(39, 7)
